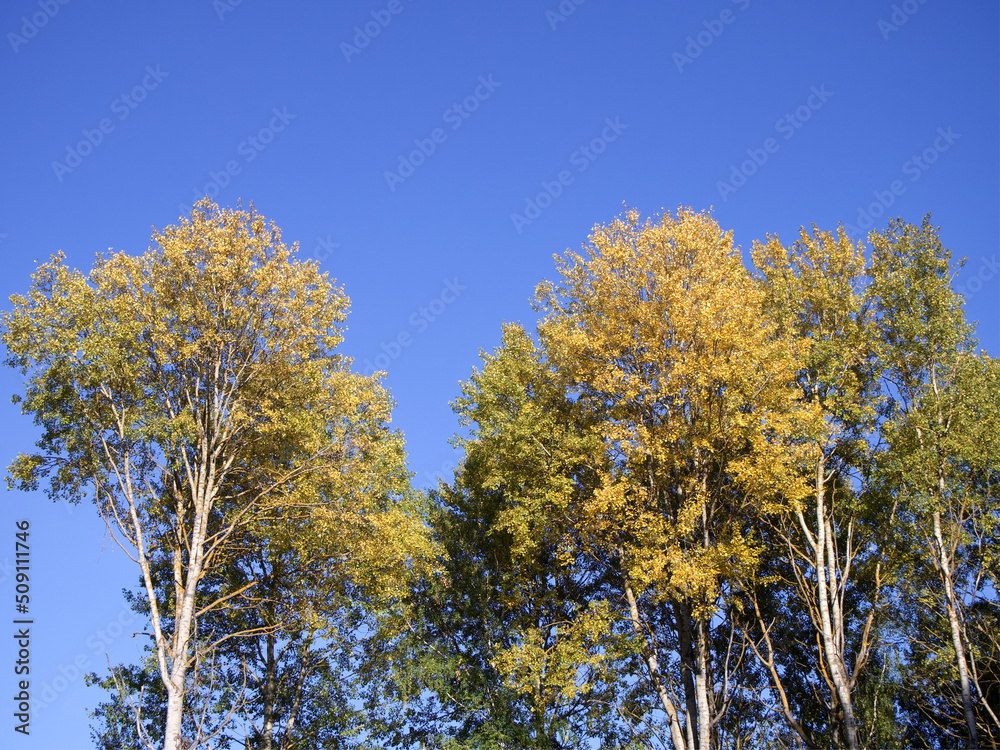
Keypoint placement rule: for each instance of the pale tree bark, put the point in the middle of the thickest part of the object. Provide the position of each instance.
(203, 475)
(176, 385)
(270, 670)
(172, 657)
(286, 739)
(958, 642)
(770, 664)
(942, 558)
(703, 657)
(704, 708)
(951, 600)
(831, 623)
(685, 642)
(823, 569)
(653, 670)
(176, 686)
(204, 467)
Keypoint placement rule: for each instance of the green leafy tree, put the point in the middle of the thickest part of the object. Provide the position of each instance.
(662, 330)
(195, 394)
(511, 644)
(943, 438)
(832, 547)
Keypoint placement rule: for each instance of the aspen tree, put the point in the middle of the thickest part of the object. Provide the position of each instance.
(192, 392)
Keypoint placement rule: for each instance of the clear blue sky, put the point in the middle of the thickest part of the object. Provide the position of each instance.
(288, 105)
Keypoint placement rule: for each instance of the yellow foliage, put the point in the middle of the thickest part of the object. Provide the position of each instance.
(661, 328)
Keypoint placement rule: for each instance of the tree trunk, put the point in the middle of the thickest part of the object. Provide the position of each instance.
(826, 566)
(269, 693)
(172, 739)
(649, 658)
(184, 619)
(944, 561)
(951, 606)
(685, 637)
(701, 683)
(300, 682)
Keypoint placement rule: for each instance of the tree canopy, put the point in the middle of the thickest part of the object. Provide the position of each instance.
(195, 394)
(710, 502)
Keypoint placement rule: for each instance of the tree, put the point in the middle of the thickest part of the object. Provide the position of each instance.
(661, 331)
(942, 432)
(831, 548)
(511, 643)
(195, 394)
(288, 678)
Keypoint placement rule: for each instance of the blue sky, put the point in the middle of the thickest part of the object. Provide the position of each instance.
(434, 157)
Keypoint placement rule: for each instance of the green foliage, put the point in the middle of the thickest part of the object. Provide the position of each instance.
(511, 644)
(705, 507)
(196, 395)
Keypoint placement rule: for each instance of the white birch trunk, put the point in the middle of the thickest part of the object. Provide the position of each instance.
(826, 566)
